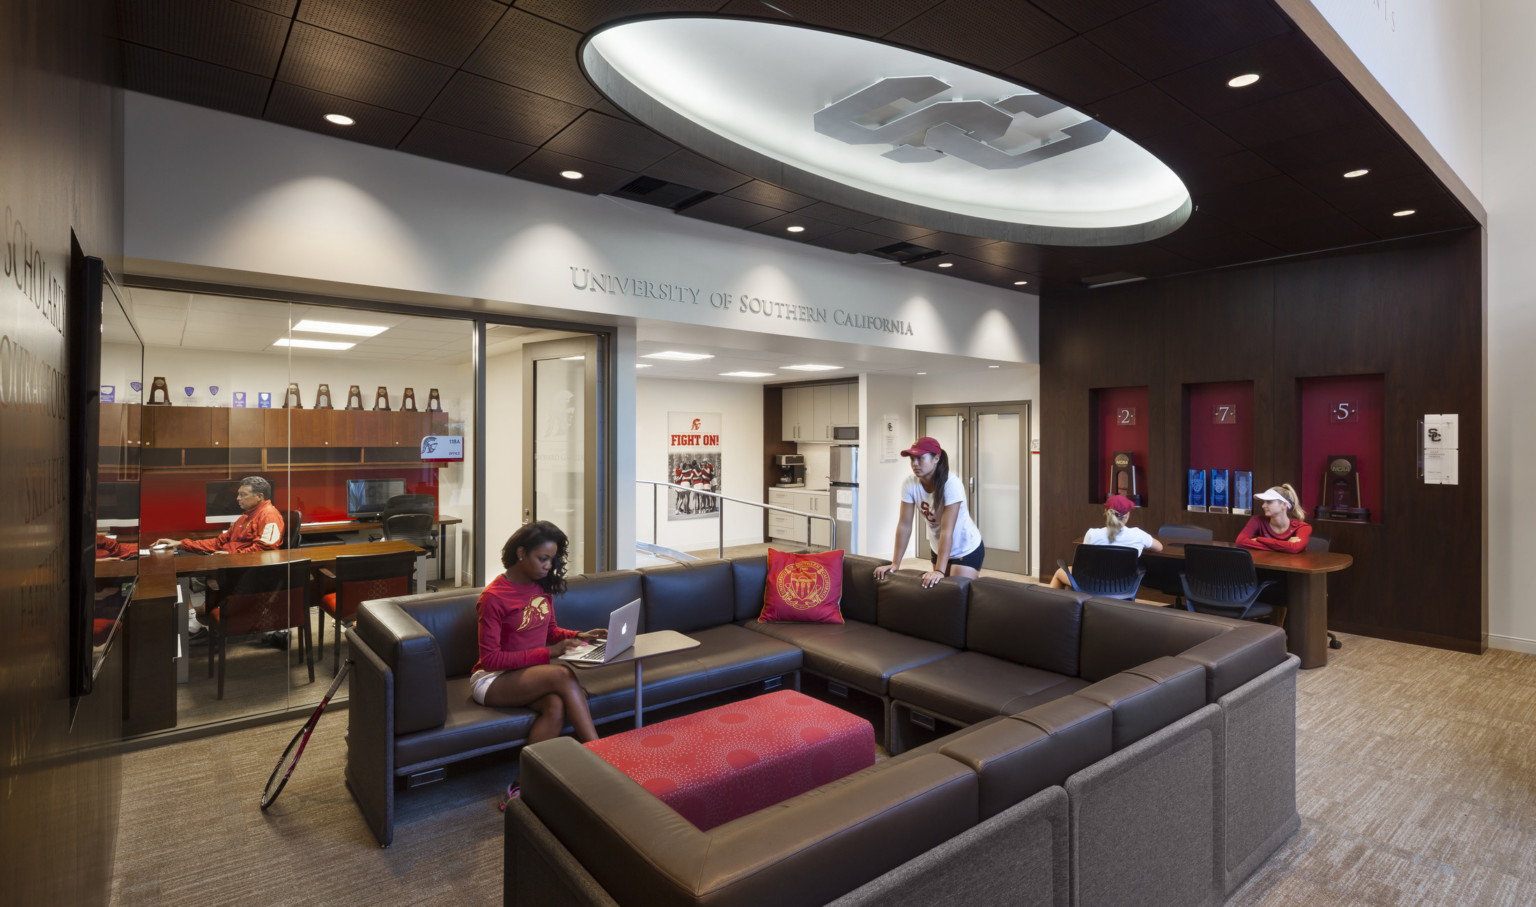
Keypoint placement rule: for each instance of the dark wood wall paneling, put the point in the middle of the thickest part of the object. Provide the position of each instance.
(61, 169)
(1410, 311)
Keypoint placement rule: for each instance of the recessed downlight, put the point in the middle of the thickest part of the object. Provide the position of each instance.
(298, 343)
(794, 229)
(994, 366)
(946, 264)
(1243, 81)
(1020, 283)
(642, 365)
(1404, 213)
(1355, 174)
(677, 356)
(746, 374)
(339, 119)
(810, 367)
(340, 327)
(572, 174)
(922, 373)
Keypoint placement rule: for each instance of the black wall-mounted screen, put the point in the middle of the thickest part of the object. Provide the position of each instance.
(366, 497)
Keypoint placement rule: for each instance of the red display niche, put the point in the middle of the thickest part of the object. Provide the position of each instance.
(1219, 421)
(174, 504)
(1119, 423)
(1340, 415)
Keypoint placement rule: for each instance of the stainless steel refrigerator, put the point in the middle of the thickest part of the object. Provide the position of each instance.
(843, 485)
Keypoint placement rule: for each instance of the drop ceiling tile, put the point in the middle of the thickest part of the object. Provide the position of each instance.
(445, 31)
(850, 241)
(1284, 64)
(991, 34)
(777, 227)
(685, 167)
(617, 143)
(1278, 199)
(768, 194)
(278, 7)
(840, 15)
(957, 243)
(215, 31)
(1171, 35)
(306, 109)
(349, 68)
(1320, 110)
(1210, 241)
(585, 15)
(193, 81)
(1085, 15)
(903, 232)
(962, 268)
(1075, 72)
(544, 166)
(733, 212)
(460, 146)
(1328, 232)
(1163, 126)
(535, 54)
(481, 105)
(836, 215)
(1225, 172)
(1012, 255)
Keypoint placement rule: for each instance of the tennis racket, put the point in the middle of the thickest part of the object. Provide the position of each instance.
(290, 757)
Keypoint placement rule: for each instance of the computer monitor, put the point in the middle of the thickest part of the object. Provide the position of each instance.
(222, 504)
(366, 497)
(117, 504)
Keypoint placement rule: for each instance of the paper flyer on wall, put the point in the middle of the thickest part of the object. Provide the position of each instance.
(693, 461)
(890, 447)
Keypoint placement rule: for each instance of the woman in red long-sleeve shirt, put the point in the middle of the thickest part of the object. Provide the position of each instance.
(519, 639)
(1278, 525)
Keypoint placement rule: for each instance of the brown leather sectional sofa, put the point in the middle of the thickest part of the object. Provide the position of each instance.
(1105, 752)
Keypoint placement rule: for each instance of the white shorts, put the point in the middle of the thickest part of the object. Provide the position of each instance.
(480, 683)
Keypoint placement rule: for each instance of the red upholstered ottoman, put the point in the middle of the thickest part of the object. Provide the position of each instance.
(723, 763)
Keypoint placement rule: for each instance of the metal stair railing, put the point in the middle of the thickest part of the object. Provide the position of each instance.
(720, 513)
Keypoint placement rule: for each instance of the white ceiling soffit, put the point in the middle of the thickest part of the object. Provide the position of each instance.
(887, 131)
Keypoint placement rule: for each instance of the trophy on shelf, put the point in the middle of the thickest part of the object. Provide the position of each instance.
(434, 402)
(159, 393)
(408, 400)
(263, 399)
(1196, 498)
(323, 393)
(1122, 475)
(1340, 497)
(1242, 492)
(237, 400)
(109, 393)
(354, 397)
(1218, 485)
(291, 397)
(381, 399)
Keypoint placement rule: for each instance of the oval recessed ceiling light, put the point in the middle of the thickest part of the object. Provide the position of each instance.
(1020, 283)
(1354, 173)
(922, 373)
(887, 131)
(795, 229)
(340, 119)
(1403, 213)
(994, 366)
(1243, 81)
(572, 174)
(946, 264)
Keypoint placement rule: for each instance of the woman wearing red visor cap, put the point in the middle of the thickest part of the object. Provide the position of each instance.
(952, 534)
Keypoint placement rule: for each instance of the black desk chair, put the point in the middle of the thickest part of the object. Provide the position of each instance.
(408, 530)
(293, 528)
(1110, 571)
(1164, 576)
(1320, 543)
(1222, 581)
(360, 578)
(257, 600)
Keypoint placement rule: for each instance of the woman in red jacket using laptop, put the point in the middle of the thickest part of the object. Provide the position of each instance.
(1278, 525)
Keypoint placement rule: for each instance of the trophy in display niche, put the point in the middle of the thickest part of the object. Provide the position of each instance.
(1196, 499)
(1122, 475)
(434, 402)
(323, 397)
(1340, 497)
(159, 393)
(1242, 492)
(381, 399)
(1218, 485)
(291, 397)
(408, 401)
(354, 397)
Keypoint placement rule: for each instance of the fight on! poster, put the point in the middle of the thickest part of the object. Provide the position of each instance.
(693, 461)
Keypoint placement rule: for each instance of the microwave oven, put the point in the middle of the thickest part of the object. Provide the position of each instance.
(845, 433)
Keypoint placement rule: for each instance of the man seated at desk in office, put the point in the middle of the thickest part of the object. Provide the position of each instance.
(258, 528)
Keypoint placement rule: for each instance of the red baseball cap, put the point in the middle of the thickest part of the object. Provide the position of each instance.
(923, 446)
(1120, 504)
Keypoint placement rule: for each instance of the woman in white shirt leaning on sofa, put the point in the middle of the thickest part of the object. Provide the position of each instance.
(953, 538)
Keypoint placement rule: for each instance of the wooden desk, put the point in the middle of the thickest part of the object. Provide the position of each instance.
(1306, 621)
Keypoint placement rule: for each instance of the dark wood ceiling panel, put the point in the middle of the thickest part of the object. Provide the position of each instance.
(1086, 15)
(535, 54)
(338, 65)
(1278, 199)
(778, 226)
(545, 167)
(903, 232)
(465, 148)
(193, 81)
(1284, 64)
(1171, 35)
(222, 32)
(292, 105)
(768, 194)
(445, 31)
(1321, 110)
(697, 171)
(990, 34)
(1225, 172)
(280, 7)
(1164, 127)
(617, 143)
(962, 268)
(481, 105)
(841, 216)
(1013, 255)
(1210, 242)
(1435, 209)
(850, 241)
(1145, 260)
(733, 212)
(838, 15)
(585, 15)
(1075, 72)
(1332, 232)
(957, 243)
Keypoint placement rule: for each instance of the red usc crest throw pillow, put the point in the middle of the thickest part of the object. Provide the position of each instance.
(803, 587)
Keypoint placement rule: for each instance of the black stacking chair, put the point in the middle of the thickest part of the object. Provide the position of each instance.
(1109, 571)
(1220, 580)
(1320, 543)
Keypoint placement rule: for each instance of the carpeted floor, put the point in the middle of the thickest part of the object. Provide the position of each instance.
(1416, 784)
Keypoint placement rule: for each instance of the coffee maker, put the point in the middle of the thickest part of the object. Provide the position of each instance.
(791, 470)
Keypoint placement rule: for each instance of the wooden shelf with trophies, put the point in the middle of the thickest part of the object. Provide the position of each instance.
(1341, 449)
(1119, 444)
(1218, 447)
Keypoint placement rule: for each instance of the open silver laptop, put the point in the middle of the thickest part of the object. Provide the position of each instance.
(621, 638)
